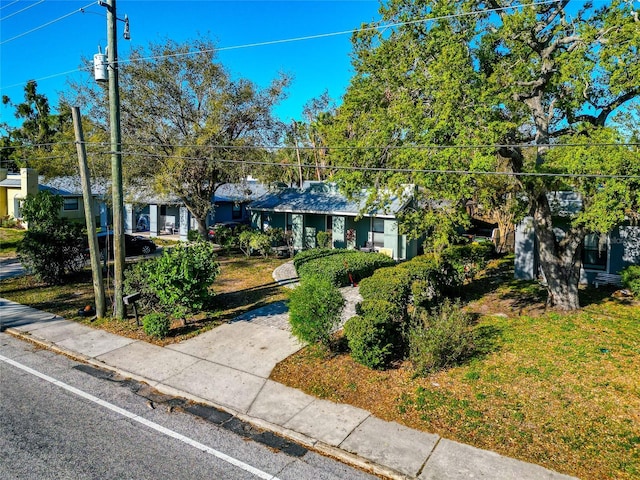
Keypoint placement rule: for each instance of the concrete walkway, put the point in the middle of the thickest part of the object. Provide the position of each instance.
(228, 367)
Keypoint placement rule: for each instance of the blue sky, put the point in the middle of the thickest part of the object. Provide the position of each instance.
(51, 54)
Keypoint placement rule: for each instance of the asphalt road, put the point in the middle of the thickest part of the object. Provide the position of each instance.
(65, 420)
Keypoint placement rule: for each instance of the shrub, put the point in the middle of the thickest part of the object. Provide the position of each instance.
(390, 284)
(314, 310)
(181, 277)
(277, 236)
(52, 247)
(53, 254)
(244, 242)
(261, 243)
(193, 235)
(156, 325)
(337, 267)
(371, 340)
(7, 221)
(631, 279)
(323, 239)
(136, 279)
(440, 338)
(313, 253)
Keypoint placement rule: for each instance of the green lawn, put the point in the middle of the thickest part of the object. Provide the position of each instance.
(243, 284)
(9, 240)
(558, 389)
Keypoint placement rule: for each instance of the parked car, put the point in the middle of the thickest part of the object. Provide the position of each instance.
(133, 244)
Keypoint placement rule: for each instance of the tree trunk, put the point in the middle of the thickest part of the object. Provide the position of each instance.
(560, 259)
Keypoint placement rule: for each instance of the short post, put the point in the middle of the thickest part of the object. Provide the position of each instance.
(131, 300)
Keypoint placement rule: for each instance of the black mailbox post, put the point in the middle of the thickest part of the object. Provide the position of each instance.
(131, 300)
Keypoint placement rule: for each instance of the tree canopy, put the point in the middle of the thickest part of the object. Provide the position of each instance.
(187, 124)
(498, 86)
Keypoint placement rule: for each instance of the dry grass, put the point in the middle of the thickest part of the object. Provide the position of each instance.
(559, 390)
(244, 284)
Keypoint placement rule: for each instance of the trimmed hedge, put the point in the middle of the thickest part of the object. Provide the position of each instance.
(313, 254)
(336, 267)
(371, 340)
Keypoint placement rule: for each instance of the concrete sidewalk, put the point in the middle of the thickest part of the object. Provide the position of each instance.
(228, 367)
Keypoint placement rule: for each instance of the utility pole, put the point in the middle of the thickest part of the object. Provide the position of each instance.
(90, 219)
(116, 157)
(295, 139)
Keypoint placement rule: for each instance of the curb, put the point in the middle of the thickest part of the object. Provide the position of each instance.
(307, 442)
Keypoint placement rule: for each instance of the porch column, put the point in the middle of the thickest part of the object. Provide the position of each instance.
(129, 221)
(338, 232)
(154, 223)
(297, 224)
(185, 221)
(525, 251)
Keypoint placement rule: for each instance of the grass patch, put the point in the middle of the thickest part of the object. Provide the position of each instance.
(9, 240)
(244, 284)
(557, 389)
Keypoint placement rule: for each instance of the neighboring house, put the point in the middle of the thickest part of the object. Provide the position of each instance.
(166, 214)
(320, 207)
(232, 199)
(14, 189)
(606, 253)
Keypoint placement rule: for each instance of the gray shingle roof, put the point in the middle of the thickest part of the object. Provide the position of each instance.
(325, 201)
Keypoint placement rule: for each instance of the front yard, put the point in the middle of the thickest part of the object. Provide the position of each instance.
(244, 283)
(559, 390)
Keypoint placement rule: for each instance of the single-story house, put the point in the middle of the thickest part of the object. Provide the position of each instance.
(14, 188)
(601, 253)
(231, 201)
(320, 207)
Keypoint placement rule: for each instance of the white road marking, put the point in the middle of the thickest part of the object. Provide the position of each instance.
(125, 413)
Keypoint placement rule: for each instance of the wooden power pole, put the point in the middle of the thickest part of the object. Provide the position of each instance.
(89, 215)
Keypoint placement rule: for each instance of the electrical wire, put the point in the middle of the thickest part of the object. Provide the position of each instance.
(339, 33)
(46, 25)
(20, 11)
(287, 40)
(347, 147)
(9, 4)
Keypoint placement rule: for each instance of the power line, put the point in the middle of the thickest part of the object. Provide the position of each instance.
(398, 170)
(9, 4)
(343, 32)
(288, 40)
(349, 147)
(20, 11)
(47, 24)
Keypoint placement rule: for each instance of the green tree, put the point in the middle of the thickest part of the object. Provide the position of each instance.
(52, 247)
(184, 118)
(44, 140)
(538, 74)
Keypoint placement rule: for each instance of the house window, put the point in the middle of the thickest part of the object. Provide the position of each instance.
(236, 211)
(329, 223)
(289, 222)
(594, 252)
(70, 203)
(377, 227)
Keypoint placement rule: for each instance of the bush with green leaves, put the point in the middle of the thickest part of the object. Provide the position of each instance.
(179, 279)
(314, 310)
(631, 279)
(440, 337)
(136, 280)
(345, 266)
(371, 340)
(156, 325)
(313, 253)
(193, 235)
(52, 248)
(260, 242)
(391, 284)
(324, 239)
